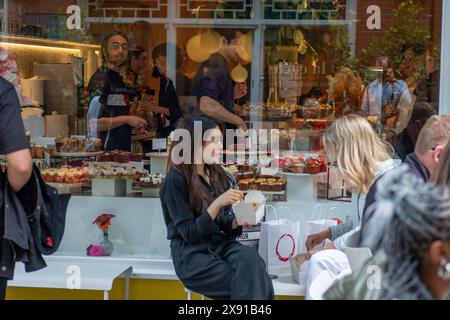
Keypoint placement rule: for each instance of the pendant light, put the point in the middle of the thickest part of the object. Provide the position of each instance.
(239, 74)
(194, 49)
(210, 41)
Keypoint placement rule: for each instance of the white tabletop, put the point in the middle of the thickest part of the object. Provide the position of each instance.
(59, 275)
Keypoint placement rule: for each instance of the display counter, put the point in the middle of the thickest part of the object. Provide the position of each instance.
(138, 233)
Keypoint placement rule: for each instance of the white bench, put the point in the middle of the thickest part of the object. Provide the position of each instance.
(285, 286)
(98, 274)
(78, 275)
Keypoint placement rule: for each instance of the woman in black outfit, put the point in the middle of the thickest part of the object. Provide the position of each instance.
(196, 202)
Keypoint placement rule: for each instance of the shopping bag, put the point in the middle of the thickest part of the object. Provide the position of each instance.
(320, 222)
(279, 239)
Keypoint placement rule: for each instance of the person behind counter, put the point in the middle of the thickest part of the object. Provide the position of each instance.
(168, 109)
(113, 118)
(214, 87)
(196, 202)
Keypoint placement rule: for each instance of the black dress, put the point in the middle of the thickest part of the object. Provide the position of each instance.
(207, 258)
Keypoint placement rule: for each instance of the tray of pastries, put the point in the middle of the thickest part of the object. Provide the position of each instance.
(108, 171)
(262, 183)
(78, 147)
(66, 175)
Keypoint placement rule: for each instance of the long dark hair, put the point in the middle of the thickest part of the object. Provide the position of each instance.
(199, 196)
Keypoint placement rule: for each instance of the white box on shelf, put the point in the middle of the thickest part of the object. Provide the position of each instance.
(109, 187)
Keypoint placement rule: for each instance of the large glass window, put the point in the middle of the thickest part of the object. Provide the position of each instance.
(99, 106)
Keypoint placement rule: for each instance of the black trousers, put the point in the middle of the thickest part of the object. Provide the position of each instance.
(3, 283)
(233, 272)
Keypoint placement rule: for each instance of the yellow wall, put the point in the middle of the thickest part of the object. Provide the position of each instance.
(140, 289)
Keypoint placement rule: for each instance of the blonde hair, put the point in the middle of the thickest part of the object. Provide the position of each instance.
(354, 145)
(436, 131)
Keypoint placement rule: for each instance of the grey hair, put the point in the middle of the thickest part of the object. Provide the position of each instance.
(409, 216)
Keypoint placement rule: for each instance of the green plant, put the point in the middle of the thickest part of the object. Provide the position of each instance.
(404, 41)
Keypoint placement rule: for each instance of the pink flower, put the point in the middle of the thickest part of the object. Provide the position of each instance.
(94, 251)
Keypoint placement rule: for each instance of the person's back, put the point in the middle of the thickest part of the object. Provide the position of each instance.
(405, 143)
(430, 146)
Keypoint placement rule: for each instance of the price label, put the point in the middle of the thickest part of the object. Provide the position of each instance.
(311, 155)
(159, 144)
(47, 159)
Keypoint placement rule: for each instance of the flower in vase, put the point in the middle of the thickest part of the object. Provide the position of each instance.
(94, 251)
(103, 222)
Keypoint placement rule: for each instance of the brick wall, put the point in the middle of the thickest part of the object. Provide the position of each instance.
(431, 18)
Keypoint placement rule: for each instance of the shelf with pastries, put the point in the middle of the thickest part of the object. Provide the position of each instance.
(116, 172)
(296, 164)
(119, 157)
(77, 147)
(67, 175)
(263, 183)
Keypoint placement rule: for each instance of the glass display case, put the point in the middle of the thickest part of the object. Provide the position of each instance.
(304, 64)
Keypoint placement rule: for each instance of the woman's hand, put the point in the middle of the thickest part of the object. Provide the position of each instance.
(317, 238)
(226, 199)
(229, 198)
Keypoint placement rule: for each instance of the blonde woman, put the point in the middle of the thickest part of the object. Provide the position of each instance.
(361, 157)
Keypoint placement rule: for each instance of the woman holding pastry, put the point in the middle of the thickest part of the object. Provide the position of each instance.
(196, 201)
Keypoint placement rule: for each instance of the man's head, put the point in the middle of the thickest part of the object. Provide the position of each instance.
(115, 49)
(139, 59)
(383, 62)
(229, 47)
(421, 112)
(432, 141)
(159, 56)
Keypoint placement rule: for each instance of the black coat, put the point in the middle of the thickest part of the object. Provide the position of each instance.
(32, 223)
(414, 167)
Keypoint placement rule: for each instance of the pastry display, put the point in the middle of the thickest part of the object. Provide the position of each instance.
(38, 152)
(119, 156)
(93, 144)
(77, 145)
(312, 166)
(109, 171)
(151, 181)
(266, 183)
(66, 175)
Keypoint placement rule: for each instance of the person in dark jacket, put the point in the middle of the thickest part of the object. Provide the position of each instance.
(167, 110)
(109, 117)
(196, 200)
(405, 142)
(430, 146)
(214, 87)
(15, 146)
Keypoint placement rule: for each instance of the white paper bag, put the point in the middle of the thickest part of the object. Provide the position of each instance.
(279, 239)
